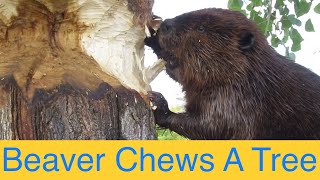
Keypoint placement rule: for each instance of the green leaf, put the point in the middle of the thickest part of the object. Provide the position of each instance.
(309, 26)
(257, 3)
(286, 23)
(275, 41)
(317, 8)
(285, 10)
(253, 14)
(295, 47)
(279, 4)
(265, 2)
(250, 7)
(235, 4)
(244, 12)
(294, 20)
(296, 37)
(302, 7)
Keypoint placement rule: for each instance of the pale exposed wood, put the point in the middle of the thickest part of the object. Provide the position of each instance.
(67, 67)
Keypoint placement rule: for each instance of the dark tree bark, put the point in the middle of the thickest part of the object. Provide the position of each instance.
(51, 88)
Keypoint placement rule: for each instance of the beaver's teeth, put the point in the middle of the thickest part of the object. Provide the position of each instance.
(154, 108)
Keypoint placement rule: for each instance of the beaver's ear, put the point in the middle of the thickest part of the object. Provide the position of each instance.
(247, 40)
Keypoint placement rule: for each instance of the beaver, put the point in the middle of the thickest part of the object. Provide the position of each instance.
(236, 85)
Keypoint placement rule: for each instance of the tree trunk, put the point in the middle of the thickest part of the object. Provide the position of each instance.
(72, 69)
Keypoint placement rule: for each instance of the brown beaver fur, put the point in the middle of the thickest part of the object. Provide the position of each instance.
(236, 85)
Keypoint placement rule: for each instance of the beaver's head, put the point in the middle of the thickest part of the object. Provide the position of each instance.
(209, 46)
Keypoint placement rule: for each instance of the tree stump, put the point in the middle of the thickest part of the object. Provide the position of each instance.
(54, 82)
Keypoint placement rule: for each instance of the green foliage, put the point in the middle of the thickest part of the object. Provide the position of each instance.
(165, 134)
(296, 39)
(301, 7)
(309, 26)
(277, 21)
(235, 4)
(317, 8)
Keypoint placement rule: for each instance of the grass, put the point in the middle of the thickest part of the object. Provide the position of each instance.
(165, 134)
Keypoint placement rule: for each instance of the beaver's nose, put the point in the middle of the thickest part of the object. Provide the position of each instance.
(166, 26)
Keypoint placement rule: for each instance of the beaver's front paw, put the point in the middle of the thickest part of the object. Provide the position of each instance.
(160, 109)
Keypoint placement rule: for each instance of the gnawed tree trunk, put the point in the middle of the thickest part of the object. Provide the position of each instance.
(73, 69)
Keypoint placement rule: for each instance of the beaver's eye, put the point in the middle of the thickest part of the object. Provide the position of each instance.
(200, 29)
